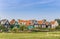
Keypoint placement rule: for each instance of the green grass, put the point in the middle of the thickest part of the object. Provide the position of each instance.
(37, 35)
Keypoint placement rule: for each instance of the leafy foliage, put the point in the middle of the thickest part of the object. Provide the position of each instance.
(15, 29)
(58, 28)
(23, 28)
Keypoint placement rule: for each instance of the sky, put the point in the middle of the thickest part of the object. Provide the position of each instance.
(30, 9)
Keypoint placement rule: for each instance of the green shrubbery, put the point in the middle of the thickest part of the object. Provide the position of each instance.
(15, 29)
(58, 28)
(3, 29)
(23, 28)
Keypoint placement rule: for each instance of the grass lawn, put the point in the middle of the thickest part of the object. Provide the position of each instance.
(37, 35)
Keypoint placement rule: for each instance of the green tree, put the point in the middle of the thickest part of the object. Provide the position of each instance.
(58, 20)
(12, 26)
(15, 29)
(58, 28)
(23, 28)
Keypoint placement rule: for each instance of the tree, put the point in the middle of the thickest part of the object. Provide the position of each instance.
(15, 29)
(58, 28)
(58, 20)
(11, 26)
(23, 28)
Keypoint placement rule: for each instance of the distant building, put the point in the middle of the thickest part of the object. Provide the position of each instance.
(34, 23)
(5, 23)
(21, 22)
(12, 22)
(54, 24)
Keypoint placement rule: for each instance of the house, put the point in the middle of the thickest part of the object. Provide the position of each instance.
(5, 23)
(34, 23)
(27, 23)
(21, 22)
(39, 23)
(54, 24)
(24, 22)
(42, 23)
(48, 25)
(14, 23)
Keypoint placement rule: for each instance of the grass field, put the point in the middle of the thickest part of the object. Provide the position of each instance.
(37, 35)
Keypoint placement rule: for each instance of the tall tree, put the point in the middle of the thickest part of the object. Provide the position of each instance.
(58, 20)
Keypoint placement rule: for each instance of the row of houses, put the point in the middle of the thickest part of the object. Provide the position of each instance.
(31, 23)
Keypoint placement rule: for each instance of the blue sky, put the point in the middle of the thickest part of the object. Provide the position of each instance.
(30, 9)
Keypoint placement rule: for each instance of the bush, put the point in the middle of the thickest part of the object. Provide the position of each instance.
(58, 28)
(15, 29)
(12, 26)
(4, 29)
(23, 28)
(52, 29)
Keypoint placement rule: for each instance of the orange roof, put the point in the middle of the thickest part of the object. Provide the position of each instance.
(47, 23)
(12, 21)
(28, 22)
(40, 22)
(52, 22)
(21, 21)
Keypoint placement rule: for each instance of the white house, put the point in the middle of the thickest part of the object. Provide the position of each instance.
(54, 24)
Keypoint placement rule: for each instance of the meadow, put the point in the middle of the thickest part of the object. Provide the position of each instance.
(34, 35)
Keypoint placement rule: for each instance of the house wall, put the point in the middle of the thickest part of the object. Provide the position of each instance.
(34, 22)
(43, 26)
(36, 25)
(54, 25)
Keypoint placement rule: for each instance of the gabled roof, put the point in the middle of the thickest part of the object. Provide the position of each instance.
(47, 23)
(4, 21)
(12, 21)
(40, 22)
(52, 22)
(27, 22)
(19, 21)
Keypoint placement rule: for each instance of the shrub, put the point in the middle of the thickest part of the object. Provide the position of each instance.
(15, 29)
(23, 28)
(12, 26)
(4, 29)
(58, 28)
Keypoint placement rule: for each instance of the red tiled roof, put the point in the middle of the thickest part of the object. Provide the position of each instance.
(40, 22)
(12, 21)
(47, 23)
(52, 22)
(28, 22)
(21, 21)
